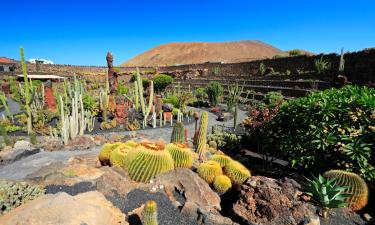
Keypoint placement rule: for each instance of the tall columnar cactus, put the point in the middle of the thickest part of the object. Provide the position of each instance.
(117, 156)
(103, 104)
(136, 95)
(105, 152)
(181, 154)
(234, 96)
(357, 187)
(150, 214)
(178, 133)
(202, 135)
(26, 92)
(145, 109)
(147, 160)
(236, 172)
(209, 170)
(222, 184)
(222, 159)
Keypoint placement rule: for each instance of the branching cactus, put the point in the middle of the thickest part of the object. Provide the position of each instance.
(145, 109)
(178, 133)
(202, 135)
(357, 187)
(150, 214)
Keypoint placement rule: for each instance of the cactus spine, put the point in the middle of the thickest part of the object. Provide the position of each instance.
(202, 135)
(209, 170)
(147, 160)
(357, 187)
(150, 214)
(222, 184)
(181, 154)
(236, 172)
(223, 160)
(178, 133)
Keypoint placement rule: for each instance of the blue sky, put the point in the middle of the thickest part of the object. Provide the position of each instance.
(81, 32)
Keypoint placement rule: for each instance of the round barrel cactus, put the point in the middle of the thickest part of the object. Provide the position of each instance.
(131, 143)
(147, 160)
(181, 154)
(222, 159)
(209, 170)
(106, 151)
(150, 213)
(357, 187)
(237, 172)
(222, 184)
(117, 156)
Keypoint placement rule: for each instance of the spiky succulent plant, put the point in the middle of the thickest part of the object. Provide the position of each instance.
(357, 187)
(106, 151)
(117, 156)
(14, 194)
(150, 213)
(178, 133)
(181, 154)
(222, 184)
(222, 159)
(202, 136)
(237, 172)
(209, 170)
(147, 160)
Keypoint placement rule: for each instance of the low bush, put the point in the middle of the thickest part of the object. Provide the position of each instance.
(161, 81)
(332, 129)
(214, 92)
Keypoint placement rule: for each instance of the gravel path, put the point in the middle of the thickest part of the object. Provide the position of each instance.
(21, 168)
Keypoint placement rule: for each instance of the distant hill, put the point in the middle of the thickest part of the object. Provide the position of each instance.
(179, 53)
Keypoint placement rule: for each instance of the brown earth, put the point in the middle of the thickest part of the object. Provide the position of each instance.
(180, 53)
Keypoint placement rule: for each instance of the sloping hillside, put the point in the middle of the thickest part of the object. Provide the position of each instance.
(179, 53)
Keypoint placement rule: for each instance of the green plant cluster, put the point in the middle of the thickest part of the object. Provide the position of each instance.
(161, 81)
(331, 129)
(226, 140)
(214, 92)
(14, 194)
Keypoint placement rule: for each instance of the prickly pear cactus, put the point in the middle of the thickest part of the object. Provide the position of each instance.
(14, 194)
(209, 170)
(357, 187)
(181, 154)
(178, 133)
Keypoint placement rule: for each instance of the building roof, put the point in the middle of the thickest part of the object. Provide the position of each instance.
(42, 76)
(4, 60)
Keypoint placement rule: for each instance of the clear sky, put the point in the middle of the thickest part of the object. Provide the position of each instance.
(81, 32)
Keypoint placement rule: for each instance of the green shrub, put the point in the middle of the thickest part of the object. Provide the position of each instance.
(214, 92)
(172, 99)
(226, 140)
(332, 129)
(122, 89)
(262, 69)
(200, 94)
(161, 82)
(321, 65)
(273, 98)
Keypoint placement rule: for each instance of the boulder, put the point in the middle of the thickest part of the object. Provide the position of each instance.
(268, 201)
(167, 107)
(63, 209)
(52, 144)
(224, 116)
(22, 145)
(9, 155)
(80, 143)
(186, 188)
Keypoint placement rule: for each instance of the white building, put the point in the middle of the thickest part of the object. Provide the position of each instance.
(41, 61)
(7, 65)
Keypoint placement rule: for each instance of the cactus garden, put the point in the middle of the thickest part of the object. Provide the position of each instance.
(129, 119)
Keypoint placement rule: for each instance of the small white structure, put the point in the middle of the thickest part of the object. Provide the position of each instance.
(7, 65)
(41, 61)
(41, 77)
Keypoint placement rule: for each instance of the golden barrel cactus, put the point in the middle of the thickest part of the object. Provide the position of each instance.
(222, 184)
(181, 154)
(117, 156)
(106, 151)
(222, 159)
(357, 187)
(237, 172)
(147, 160)
(209, 170)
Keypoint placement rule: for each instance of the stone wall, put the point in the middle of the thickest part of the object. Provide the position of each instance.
(359, 67)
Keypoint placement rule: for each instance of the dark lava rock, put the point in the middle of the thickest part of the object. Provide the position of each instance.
(72, 190)
(167, 107)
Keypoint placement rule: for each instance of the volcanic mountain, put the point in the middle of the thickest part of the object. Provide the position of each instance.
(180, 53)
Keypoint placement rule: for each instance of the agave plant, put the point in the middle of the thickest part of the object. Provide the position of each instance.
(327, 193)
